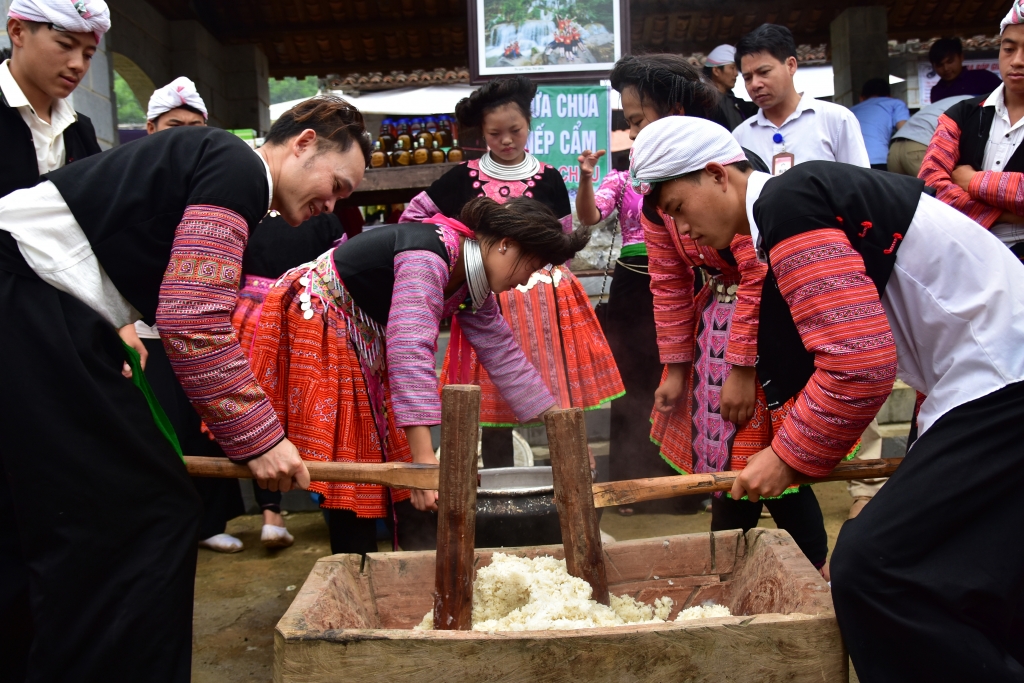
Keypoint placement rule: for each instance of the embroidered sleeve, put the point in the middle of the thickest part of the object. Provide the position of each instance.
(840, 318)
(197, 298)
(672, 287)
(413, 323)
(942, 157)
(420, 209)
(516, 378)
(742, 346)
(1001, 189)
(608, 196)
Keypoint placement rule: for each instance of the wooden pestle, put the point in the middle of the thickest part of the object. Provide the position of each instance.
(456, 508)
(570, 468)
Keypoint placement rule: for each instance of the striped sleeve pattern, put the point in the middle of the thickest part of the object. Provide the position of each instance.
(515, 377)
(421, 209)
(741, 348)
(608, 196)
(1001, 189)
(196, 301)
(413, 323)
(672, 287)
(942, 157)
(840, 318)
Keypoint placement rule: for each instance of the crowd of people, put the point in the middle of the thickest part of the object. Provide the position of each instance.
(782, 261)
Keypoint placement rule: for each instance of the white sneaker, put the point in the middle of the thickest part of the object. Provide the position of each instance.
(276, 537)
(222, 543)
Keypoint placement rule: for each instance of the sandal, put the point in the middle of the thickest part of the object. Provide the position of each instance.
(625, 511)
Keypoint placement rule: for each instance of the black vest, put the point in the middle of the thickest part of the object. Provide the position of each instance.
(873, 208)
(19, 168)
(975, 123)
(366, 263)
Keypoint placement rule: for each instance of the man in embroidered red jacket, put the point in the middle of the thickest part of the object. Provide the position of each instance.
(975, 161)
(859, 287)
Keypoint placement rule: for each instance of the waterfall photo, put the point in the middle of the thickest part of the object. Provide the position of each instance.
(545, 37)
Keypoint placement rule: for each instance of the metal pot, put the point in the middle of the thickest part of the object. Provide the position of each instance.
(515, 506)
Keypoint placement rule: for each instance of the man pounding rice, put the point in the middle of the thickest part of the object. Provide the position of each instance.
(859, 289)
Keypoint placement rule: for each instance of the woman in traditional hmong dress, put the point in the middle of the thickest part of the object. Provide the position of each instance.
(345, 349)
(629, 325)
(710, 413)
(550, 315)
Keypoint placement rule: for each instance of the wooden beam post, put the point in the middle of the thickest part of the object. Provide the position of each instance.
(456, 508)
(570, 467)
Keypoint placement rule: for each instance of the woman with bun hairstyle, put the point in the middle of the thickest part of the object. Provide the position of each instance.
(710, 413)
(550, 315)
(345, 349)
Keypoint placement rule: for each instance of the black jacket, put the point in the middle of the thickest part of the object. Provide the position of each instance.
(975, 123)
(19, 168)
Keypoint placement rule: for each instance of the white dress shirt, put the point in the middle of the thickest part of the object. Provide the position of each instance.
(959, 332)
(48, 138)
(815, 131)
(1003, 140)
(56, 248)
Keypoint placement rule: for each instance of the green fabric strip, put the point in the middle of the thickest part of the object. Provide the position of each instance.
(541, 424)
(638, 249)
(159, 416)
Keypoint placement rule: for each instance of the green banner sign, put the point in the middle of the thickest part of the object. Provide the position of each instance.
(568, 119)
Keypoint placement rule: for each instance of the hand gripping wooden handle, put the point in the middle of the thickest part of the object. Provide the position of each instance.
(397, 474)
(637, 490)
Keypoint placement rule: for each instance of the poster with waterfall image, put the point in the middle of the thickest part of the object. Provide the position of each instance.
(546, 36)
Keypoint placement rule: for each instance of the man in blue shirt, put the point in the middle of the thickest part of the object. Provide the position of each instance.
(880, 116)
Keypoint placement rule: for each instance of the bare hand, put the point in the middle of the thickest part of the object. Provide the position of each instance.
(281, 468)
(739, 395)
(424, 500)
(765, 476)
(588, 161)
(671, 390)
(962, 176)
(130, 337)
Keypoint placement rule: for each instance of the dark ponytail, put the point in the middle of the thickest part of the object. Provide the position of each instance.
(666, 83)
(518, 90)
(527, 222)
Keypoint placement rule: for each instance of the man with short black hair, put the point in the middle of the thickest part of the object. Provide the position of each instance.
(879, 116)
(790, 128)
(947, 58)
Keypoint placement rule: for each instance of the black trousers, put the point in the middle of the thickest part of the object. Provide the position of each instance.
(97, 565)
(634, 343)
(928, 581)
(798, 513)
(350, 534)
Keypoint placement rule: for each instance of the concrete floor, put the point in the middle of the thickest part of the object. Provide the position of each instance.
(239, 598)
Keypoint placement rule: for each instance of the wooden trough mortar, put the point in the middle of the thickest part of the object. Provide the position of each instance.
(352, 622)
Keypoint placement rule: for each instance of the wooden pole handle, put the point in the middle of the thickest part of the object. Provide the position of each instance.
(637, 490)
(397, 474)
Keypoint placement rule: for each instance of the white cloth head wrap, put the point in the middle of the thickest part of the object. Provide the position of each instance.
(176, 93)
(676, 145)
(721, 55)
(1015, 16)
(73, 16)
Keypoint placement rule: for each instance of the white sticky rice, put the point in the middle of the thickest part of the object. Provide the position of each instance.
(521, 594)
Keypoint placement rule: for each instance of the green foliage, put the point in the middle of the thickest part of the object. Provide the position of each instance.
(128, 108)
(292, 89)
(517, 11)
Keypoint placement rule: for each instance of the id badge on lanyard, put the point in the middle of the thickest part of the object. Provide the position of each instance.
(783, 161)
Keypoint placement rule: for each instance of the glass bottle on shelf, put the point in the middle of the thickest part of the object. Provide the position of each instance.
(420, 155)
(387, 140)
(401, 156)
(378, 158)
(437, 155)
(403, 134)
(455, 154)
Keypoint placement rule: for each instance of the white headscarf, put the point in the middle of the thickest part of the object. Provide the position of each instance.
(1014, 16)
(721, 55)
(173, 95)
(676, 145)
(73, 16)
